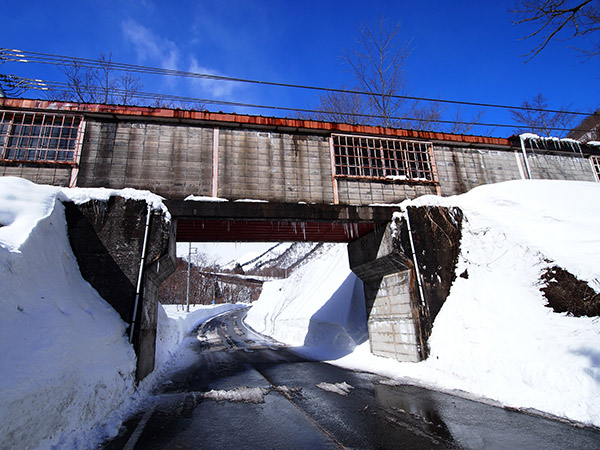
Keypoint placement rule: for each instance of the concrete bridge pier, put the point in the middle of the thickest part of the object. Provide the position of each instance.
(407, 280)
(107, 238)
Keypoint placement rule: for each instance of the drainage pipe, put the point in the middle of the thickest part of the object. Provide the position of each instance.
(525, 157)
(140, 273)
(414, 257)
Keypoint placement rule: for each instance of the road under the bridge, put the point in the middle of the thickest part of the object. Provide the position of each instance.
(244, 390)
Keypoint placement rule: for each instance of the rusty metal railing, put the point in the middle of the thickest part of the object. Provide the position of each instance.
(375, 158)
(39, 137)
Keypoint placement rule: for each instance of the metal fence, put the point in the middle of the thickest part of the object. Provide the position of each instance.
(383, 159)
(39, 137)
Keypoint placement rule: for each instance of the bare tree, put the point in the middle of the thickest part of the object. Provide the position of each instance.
(378, 68)
(341, 107)
(462, 125)
(555, 18)
(536, 119)
(588, 129)
(97, 84)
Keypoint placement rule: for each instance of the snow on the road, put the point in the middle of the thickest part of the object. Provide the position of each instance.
(239, 394)
(494, 338)
(175, 325)
(342, 389)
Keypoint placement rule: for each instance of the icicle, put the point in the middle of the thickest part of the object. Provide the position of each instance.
(346, 230)
(303, 226)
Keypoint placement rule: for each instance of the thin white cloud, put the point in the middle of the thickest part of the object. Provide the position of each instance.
(149, 47)
(153, 49)
(212, 88)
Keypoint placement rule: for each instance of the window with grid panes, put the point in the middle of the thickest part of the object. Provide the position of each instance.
(40, 137)
(383, 159)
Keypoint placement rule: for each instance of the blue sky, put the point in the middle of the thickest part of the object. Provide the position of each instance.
(464, 50)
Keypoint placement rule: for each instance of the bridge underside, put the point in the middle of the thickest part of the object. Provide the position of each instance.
(276, 222)
(266, 231)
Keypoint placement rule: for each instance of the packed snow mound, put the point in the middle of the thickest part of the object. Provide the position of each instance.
(321, 306)
(66, 362)
(494, 337)
(560, 219)
(25, 203)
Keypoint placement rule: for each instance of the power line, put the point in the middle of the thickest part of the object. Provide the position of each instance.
(13, 55)
(35, 84)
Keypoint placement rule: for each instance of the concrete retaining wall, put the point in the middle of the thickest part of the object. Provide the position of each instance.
(391, 321)
(180, 159)
(171, 160)
(461, 169)
(55, 176)
(278, 167)
(177, 160)
(400, 313)
(107, 239)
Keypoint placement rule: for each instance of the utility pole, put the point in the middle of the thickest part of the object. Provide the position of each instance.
(187, 297)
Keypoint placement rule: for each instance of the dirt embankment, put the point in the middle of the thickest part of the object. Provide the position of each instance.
(566, 293)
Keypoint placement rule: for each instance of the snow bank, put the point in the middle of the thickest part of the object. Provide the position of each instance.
(174, 324)
(494, 338)
(66, 362)
(320, 306)
(67, 372)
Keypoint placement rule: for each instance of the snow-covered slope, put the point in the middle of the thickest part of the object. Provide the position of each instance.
(65, 360)
(67, 370)
(321, 306)
(494, 338)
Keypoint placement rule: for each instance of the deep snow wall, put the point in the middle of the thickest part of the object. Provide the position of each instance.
(319, 307)
(66, 362)
(494, 337)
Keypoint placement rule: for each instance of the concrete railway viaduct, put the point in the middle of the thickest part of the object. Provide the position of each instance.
(230, 177)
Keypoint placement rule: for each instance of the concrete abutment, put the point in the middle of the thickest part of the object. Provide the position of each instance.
(400, 309)
(107, 238)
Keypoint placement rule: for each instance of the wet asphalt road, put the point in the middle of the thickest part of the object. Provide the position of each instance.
(278, 400)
